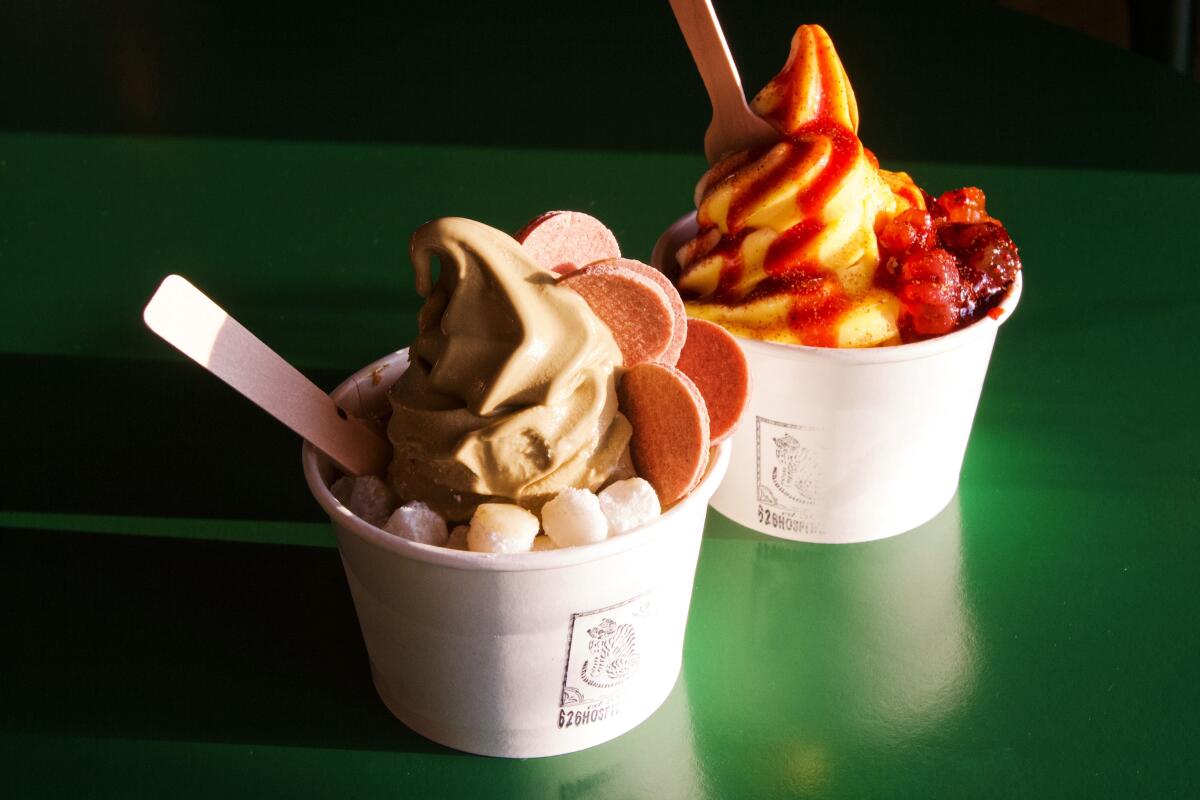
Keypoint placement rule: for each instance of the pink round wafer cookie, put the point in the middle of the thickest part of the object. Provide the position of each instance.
(670, 440)
(678, 312)
(564, 241)
(714, 361)
(632, 306)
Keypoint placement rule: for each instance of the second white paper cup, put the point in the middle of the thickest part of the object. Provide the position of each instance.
(522, 655)
(850, 445)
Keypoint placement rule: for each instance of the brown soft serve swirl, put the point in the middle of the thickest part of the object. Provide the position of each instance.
(510, 394)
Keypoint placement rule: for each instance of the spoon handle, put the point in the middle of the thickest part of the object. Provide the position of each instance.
(200, 329)
(734, 125)
(706, 40)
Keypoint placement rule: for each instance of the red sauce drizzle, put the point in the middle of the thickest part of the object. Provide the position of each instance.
(819, 302)
(812, 318)
(746, 201)
(817, 298)
(843, 153)
(730, 252)
(786, 253)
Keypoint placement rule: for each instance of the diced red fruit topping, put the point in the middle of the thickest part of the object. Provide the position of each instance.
(964, 205)
(912, 229)
(988, 260)
(946, 264)
(930, 291)
(897, 236)
(930, 266)
(933, 319)
(937, 211)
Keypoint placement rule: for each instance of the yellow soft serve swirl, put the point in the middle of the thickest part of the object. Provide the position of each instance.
(787, 247)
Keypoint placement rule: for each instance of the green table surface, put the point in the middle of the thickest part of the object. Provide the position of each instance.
(173, 615)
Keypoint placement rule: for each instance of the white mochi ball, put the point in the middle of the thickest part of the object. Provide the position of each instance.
(372, 500)
(501, 528)
(418, 522)
(628, 504)
(342, 488)
(574, 518)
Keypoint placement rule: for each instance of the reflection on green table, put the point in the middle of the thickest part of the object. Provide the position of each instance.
(871, 648)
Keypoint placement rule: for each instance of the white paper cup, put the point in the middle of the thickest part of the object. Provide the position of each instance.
(520, 655)
(850, 445)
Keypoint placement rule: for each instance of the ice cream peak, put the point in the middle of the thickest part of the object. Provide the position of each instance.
(510, 394)
(788, 247)
(812, 89)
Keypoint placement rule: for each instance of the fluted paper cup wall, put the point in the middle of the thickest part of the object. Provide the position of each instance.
(520, 655)
(850, 445)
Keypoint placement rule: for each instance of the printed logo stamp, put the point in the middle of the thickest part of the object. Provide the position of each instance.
(602, 656)
(789, 478)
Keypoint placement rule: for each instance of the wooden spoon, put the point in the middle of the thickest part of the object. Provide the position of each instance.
(734, 126)
(202, 331)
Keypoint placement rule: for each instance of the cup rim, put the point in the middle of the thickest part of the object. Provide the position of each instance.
(494, 562)
(986, 325)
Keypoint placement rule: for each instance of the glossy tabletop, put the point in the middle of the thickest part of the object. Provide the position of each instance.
(175, 621)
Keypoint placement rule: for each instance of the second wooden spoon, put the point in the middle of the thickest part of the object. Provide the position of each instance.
(734, 126)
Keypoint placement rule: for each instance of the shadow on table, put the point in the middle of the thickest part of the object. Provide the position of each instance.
(115, 636)
(147, 438)
(159, 639)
